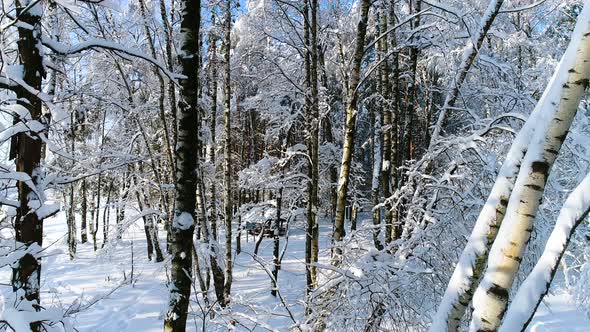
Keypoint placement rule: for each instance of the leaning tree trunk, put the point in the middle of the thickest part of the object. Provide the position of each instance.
(536, 285)
(472, 260)
(182, 227)
(26, 148)
(349, 132)
(559, 105)
(468, 58)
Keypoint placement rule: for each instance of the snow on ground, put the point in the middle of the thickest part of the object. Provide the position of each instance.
(557, 313)
(141, 306)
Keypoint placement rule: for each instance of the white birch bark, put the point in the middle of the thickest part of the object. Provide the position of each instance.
(536, 285)
(558, 107)
(471, 263)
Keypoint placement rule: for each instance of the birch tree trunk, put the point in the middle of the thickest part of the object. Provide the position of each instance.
(312, 107)
(536, 285)
(182, 227)
(211, 155)
(467, 273)
(559, 105)
(392, 229)
(217, 271)
(227, 199)
(349, 132)
(276, 265)
(376, 177)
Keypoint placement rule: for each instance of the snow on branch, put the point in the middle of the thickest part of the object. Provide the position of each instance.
(94, 43)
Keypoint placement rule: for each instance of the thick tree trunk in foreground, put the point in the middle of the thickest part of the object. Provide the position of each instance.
(349, 132)
(182, 227)
(559, 105)
(27, 149)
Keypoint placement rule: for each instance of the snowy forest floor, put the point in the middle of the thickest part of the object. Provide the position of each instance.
(141, 306)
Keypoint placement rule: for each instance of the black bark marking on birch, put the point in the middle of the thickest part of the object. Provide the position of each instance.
(514, 258)
(552, 151)
(498, 291)
(534, 187)
(561, 138)
(540, 167)
(583, 82)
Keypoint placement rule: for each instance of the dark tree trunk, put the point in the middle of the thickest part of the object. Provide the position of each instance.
(84, 212)
(26, 148)
(227, 199)
(275, 253)
(182, 228)
(106, 216)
